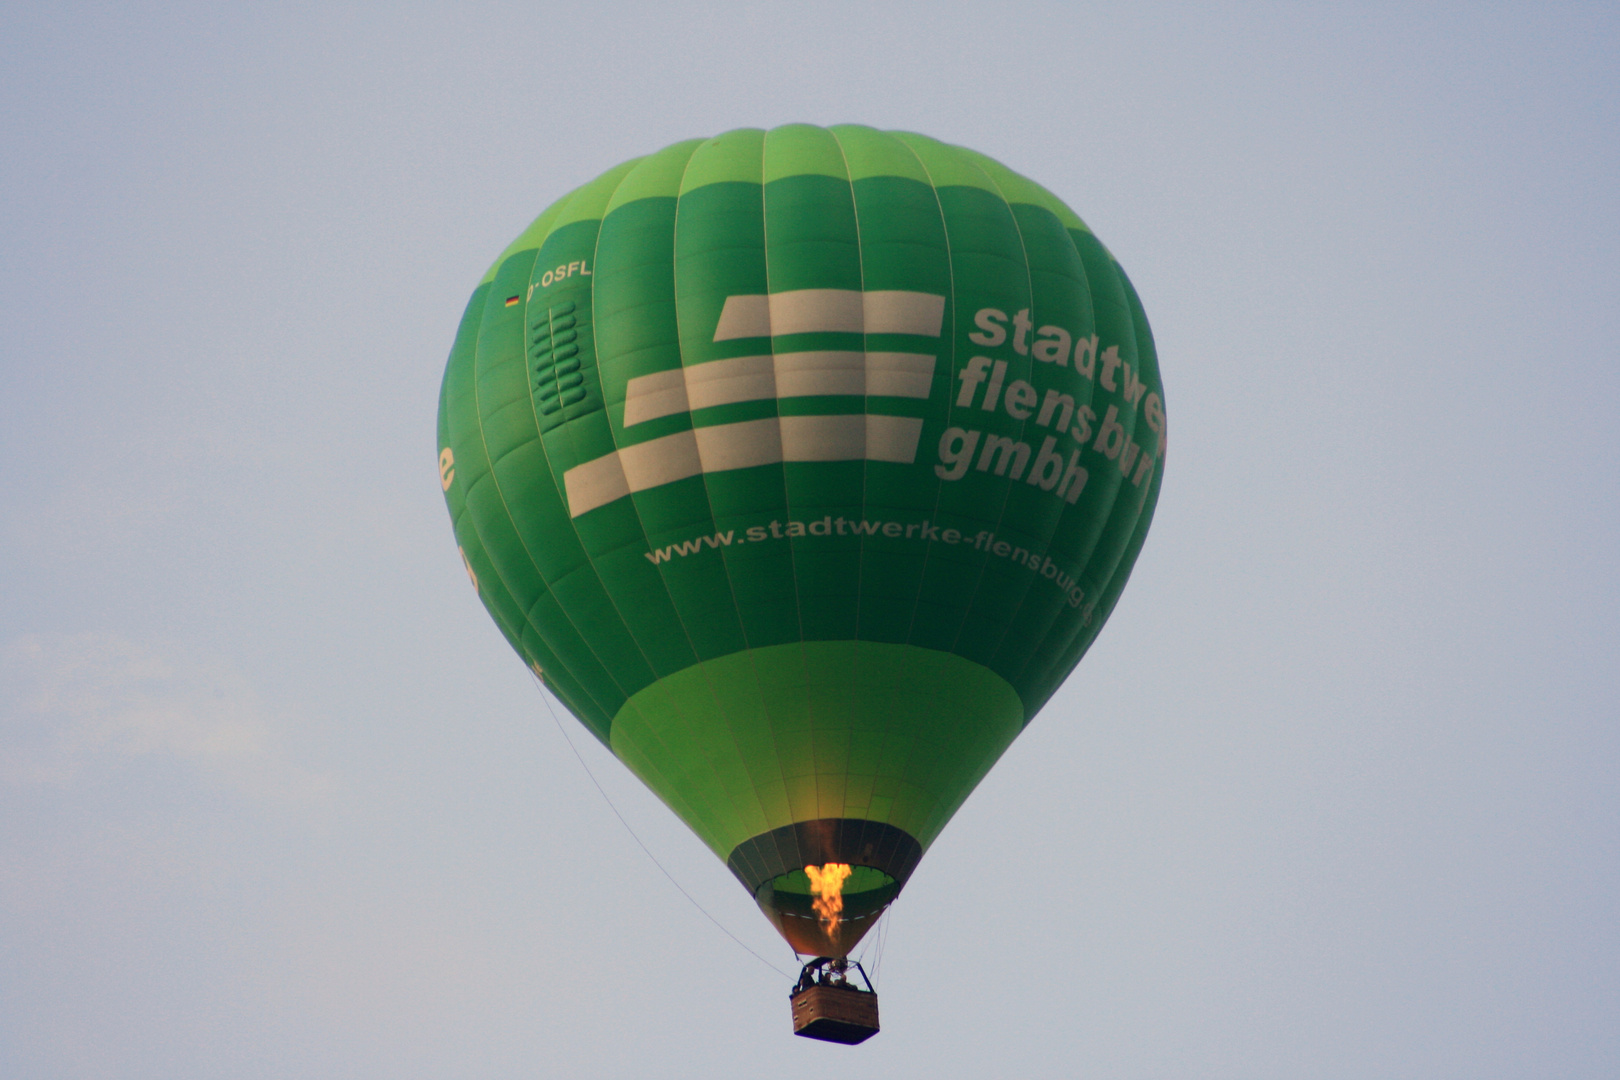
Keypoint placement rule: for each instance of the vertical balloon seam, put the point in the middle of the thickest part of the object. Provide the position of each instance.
(904, 139)
(1028, 712)
(519, 641)
(1124, 562)
(951, 151)
(748, 775)
(545, 592)
(1007, 489)
(866, 400)
(1147, 358)
(1103, 511)
(457, 513)
(532, 229)
(948, 402)
(963, 160)
(528, 610)
(586, 204)
(866, 406)
(1148, 353)
(646, 729)
(766, 715)
(1037, 193)
(748, 646)
(506, 508)
(1111, 565)
(794, 552)
(849, 760)
(1080, 636)
(1131, 328)
(1084, 634)
(573, 433)
(1001, 516)
(540, 232)
(569, 429)
(589, 198)
(1083, 509)
(1148, 347)
(946, 347)
(836, 710)
(1024, 425)
(787, 488)
(1064, 512)
(1134, 546)
(705, 670)
(530, 643)
(939, 489)
(866, 468)
(468, 371)
(492, 592)
(514, 638)
(857, 650)
(818, 708)
(770, 716)
(501, 575)
(1079, 641)
(569, 432)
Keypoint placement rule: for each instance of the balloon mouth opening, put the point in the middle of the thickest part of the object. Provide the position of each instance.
(774, 867)
(861, 880)
(801, 911)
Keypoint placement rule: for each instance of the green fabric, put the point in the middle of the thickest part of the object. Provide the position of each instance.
(762, 738)
(803, 465)
(734, 156)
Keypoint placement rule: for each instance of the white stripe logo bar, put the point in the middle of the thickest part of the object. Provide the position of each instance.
(850, 437)
(785, 375)
(810, 311)
(768, 441)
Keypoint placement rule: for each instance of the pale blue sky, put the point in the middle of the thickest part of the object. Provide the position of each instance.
(1335, 794)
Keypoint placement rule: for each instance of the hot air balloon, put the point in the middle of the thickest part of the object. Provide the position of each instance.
(803, 466)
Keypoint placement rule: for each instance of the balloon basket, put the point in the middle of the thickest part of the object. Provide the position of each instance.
(829, 1006)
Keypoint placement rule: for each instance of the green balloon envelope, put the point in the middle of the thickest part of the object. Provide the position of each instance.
(803, 466)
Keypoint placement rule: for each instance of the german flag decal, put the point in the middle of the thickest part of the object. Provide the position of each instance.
(510, 300)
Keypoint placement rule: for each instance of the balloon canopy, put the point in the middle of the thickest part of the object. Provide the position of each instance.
(803, 466)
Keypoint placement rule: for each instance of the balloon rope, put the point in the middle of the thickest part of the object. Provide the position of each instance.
(603, 792)
(873, 946)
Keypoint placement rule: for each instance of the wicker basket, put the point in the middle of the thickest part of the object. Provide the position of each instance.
(835, 1014)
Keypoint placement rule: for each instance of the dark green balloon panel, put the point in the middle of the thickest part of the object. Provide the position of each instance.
(803, 466)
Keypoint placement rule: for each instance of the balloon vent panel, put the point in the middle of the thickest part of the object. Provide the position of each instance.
(560, 383)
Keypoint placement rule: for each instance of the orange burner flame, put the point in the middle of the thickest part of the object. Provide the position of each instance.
(827, 883)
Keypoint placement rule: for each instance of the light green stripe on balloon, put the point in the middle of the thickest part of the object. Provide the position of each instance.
(656, 176)
(735, 157)
(825, 729)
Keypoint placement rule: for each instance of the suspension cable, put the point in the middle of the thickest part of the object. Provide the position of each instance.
(546, 697)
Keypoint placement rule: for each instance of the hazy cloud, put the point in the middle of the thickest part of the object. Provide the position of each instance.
(74, 707)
